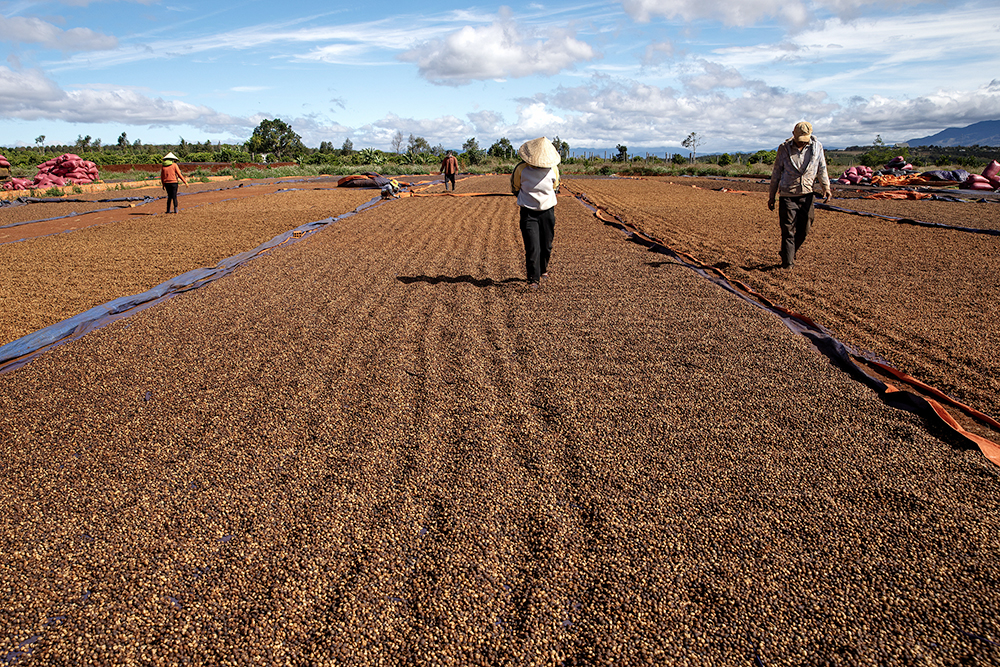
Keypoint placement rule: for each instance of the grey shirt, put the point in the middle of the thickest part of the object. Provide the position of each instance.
(799, 171)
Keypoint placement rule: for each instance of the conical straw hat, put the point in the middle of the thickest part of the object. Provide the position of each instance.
(539, 153)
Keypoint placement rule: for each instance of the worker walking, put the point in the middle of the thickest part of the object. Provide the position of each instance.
(535, 182)
(799, 173)
(449, 167)
(170, 175)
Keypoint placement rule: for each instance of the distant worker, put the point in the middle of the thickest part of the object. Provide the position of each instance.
(799, 173)
(170, 174)
(449, 167)
(535, 182)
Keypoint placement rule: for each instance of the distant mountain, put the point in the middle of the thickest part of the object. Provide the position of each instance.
(985, 133)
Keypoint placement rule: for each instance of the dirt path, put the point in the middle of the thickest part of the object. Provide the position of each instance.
(375, 445)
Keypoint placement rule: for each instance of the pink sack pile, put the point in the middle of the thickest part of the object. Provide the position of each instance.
(989, 180)
(65, 169)
(855, 175)
(4, 162)
(58, 172)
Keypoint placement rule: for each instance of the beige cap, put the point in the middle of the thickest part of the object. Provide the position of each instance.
(802, 132)
(539, 153)
(171, 156)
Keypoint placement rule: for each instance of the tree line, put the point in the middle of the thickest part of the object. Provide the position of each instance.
(273, 140)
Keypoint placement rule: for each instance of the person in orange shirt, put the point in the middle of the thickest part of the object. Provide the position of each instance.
(170, 174)
(449, 167)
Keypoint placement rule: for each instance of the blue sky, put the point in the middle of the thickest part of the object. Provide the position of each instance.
(644, 73)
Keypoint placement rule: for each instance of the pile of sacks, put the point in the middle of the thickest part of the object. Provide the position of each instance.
(899, 167)
(897, 164)
(64, 170)
(989, 180)
(855, 175)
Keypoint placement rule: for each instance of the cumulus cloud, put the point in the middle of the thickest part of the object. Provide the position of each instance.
(29, 30)
(657, 52)
(605, 111)
(30, 95)
(925, 114)
(733, 113)
(713, 75)
(487, 122)
(501, 50)
(447, 130)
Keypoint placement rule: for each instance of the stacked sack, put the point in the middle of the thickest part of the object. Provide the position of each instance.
(14, 183)
(989, 180)
(18, 184)
(855, 175)
(897, 164)
(56, 173)
(67, 168)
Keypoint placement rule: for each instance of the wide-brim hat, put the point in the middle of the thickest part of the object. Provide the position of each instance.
(171, 156)
(802, 131)
(539, 153)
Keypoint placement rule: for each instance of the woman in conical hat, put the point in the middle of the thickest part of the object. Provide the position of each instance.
(535, 182)
(170, 174)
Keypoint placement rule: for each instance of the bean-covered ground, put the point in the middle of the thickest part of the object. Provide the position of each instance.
(128, 251)
(376, 446)
(923, 298)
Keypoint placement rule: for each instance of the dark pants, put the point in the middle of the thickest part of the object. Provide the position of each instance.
(171, 195)
(537, 230)
(449, 177)
(795, 214)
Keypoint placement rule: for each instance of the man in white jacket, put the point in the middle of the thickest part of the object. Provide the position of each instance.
(799, 173)
(535, 181)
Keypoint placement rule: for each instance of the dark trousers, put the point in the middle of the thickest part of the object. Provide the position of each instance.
(171, 195)
(795, 214)
(449, 177)
(537, 230)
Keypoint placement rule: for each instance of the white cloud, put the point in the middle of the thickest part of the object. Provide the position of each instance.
(501, 50)
(534, 119)
(29, 30)
(606, 111)
(727, 12)
(30, 95)
(712, 76)
(743, 13)
(449, 131)
(657, 52)
(925, 114)
(487, 122)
